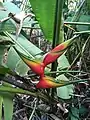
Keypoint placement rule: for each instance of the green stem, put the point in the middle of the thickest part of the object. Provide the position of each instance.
(64, 71)
(77, 23)
(73, 82)
(21, 91)
(56, 35)
(82, 32)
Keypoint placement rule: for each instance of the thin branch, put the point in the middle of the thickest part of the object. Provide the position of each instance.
(33, 110)
(77, 23)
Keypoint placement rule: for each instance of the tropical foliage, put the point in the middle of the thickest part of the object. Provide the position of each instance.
(44, 44)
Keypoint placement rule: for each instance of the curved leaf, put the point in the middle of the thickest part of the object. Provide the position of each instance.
(45, 13)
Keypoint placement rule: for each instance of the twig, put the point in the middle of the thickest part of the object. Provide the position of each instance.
(33, 110)
(77, 23)
(4, 19)
(21, 110)
(74, 76)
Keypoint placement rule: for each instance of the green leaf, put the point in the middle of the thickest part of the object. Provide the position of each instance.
(11, 7)
(65, 91)
(4, 70)
(15, 63)
(8, 25)
(45, 13)
(8, 105)
(12, 59)
(63, 62)
(31, 48)
(7, 101)
(2, 6)
(21, 68)
(1, 100)
(88, 4)
(74, 115)
(25, 46)
(84, 18)
(5, 40)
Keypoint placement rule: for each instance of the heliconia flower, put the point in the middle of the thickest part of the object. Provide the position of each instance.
(39, 66)
(56, 52)
(48, 82)
(35, 65)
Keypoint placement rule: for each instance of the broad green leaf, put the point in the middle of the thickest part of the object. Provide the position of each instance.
(45, 13)
(63, 62)
(1, 100)
(8, 105)
(10, 25)
(21, 68)
(65, 91)
(12, 59)
(10, 7)
(7, 101)
(84, 18)
(74, 114)
(5, 40)
(31, 48)
(83, 110)
(24, 46)
(7, 25)
(4, 70)
(15, 63)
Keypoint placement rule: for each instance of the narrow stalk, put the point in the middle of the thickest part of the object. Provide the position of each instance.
(82, 32)
(56, 35)
(74, 82)
(77, 23)
(21, 91)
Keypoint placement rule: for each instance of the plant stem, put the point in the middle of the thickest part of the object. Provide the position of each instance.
(21, 91)
(77, 23)
(56, 35)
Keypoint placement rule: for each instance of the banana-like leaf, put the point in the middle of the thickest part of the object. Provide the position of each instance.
(45, 14)
(4, 70)
(7, 102)
(5, 40)
(20, 69)
(9, 24)
(65, 91)
(1, 101)
(24, 46)
(8, 105)
(63, 62)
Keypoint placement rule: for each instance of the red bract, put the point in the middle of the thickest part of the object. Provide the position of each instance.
(35, 65)
(56, 52)
(38, 66)
(48, 82)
